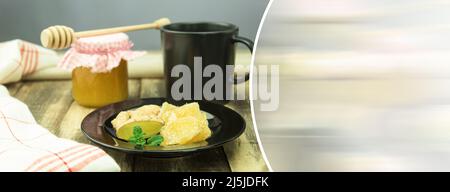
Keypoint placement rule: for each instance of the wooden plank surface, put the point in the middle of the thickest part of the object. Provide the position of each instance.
(48, 101)
(53, 107)
(244, 154)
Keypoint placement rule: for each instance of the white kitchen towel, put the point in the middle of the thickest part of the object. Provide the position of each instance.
(24, 144)
(19, 59)
(27, 146)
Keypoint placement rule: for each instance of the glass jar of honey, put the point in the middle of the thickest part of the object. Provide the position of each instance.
(99, 89)
(99, 69)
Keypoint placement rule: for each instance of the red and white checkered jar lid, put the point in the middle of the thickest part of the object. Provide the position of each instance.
(99, 53)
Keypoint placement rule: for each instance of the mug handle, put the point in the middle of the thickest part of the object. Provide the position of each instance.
(249, 44)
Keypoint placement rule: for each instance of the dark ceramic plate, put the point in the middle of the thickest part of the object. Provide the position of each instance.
(225, 124)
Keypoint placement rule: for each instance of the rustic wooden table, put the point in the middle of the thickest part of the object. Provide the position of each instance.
(53, 107)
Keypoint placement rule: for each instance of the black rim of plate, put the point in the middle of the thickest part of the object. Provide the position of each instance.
(176, 152)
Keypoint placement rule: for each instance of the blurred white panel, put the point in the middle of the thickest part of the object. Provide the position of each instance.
(364, 85)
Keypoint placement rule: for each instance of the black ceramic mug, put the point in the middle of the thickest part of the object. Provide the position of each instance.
(208, 42)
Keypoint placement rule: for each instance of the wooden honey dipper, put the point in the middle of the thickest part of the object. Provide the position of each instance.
(60, 37)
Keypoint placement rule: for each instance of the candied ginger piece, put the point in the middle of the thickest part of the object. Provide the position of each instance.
(190, 109)
(205, 133)
(181, 131)
(146, 113)
(148, 110)
(166, 111)
(121, 119)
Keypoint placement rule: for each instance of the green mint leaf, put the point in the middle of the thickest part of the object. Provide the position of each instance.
(137, 130)
(141, 141)
(155, 140)
(138, 138)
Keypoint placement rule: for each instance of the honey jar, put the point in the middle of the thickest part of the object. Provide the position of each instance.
(99, 69)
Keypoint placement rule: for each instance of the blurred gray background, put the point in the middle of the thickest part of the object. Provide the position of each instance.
(24, 19)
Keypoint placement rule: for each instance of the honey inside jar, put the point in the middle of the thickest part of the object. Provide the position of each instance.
(99, 89)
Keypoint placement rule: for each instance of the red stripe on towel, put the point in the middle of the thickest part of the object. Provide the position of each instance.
(36, 60)
(26, 58)
(86, 162)
(50, 157)
(79, 156)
